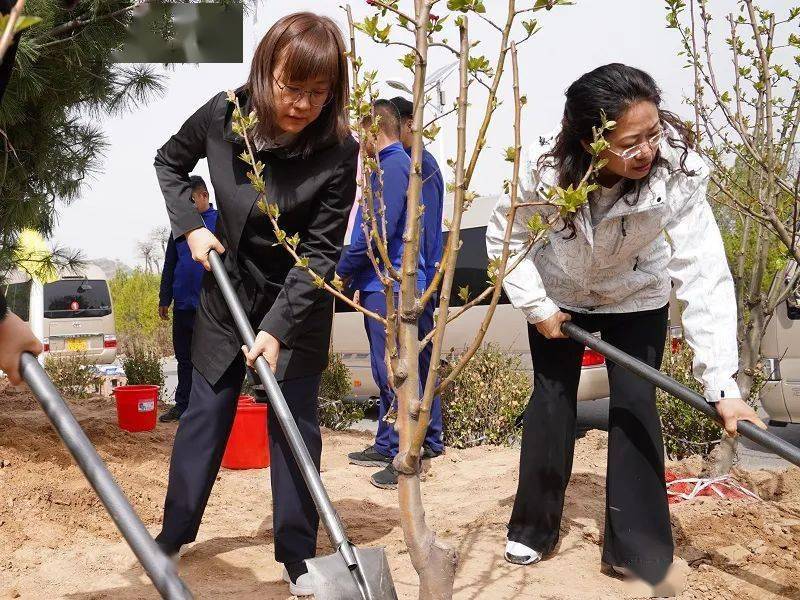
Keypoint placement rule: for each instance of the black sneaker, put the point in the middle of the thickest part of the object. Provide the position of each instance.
(369, 457)
(385, 479)
(428, 452)
(173, 414)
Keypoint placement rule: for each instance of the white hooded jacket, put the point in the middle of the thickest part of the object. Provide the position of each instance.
(630, 260)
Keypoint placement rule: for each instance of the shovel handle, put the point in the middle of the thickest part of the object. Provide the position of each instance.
(280, 409)
(158, 566)
(749, 430)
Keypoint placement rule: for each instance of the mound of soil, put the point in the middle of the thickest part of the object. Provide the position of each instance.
(58, 541)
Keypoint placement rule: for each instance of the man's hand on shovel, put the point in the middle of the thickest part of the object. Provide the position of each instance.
(733, 410)
(265, 344)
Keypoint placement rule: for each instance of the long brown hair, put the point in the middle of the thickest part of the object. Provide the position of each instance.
(306, 46)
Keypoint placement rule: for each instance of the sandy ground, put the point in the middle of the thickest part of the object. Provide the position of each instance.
(57, 541)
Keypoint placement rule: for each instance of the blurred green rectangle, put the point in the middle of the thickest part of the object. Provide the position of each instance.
(183, 33)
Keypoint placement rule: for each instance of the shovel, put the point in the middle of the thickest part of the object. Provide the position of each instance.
(351, 572)
(158, 566)
(749, 430)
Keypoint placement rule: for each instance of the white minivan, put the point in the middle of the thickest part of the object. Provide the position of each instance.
(780, 348)
(508, 329)
(71, 315)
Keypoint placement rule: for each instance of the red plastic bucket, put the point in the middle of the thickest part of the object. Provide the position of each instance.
(136, 406)
(248, 445)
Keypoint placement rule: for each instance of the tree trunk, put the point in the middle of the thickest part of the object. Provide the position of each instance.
(434, 562)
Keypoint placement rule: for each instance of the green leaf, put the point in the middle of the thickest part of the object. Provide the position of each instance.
(531, 26)
(302, 262)
(337, 282)
(536, 224)
(431, 132)
(549, 4)
(294, 241)
(479, 64)
(598, 146)
(569, 200)
(23, 22)
(408, 60)
(510, 154)
(256, 181)
(463, 294)
(245, 156)
(274, 211)
(725, 97)
(382, 35)
(491, 271)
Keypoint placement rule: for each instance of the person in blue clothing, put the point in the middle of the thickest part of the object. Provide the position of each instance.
(181, 279)
(358, 272)
(431, 247)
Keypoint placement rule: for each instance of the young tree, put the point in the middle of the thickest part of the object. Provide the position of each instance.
(160, 238)
(747, 117)
(148, 251)
(434, 561)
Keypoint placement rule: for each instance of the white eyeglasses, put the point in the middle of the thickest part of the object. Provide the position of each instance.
(634, 151)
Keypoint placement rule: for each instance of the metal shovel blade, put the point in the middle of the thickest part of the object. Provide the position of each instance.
(332, 579)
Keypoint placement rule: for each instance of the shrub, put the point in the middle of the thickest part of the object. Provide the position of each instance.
(135, 297)
(74, 376)
(336, 410)
(686, 431)
(142, 366)
(482, 404)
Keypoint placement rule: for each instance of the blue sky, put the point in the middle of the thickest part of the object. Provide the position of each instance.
(123, 203)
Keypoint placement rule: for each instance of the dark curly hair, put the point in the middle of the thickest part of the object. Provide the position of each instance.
(610, 89)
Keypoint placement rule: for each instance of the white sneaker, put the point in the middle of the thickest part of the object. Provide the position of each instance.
(520, 554)
(302, 587)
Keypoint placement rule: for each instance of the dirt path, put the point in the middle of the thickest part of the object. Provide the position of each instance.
(58, 542)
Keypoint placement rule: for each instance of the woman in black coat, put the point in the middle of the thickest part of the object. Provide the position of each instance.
(298, 86)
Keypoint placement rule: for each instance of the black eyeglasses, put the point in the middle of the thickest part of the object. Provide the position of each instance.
(291, 94)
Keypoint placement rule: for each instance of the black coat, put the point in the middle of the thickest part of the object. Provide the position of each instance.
(314, 195)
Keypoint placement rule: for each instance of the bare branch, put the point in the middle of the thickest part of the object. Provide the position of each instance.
(8, 33)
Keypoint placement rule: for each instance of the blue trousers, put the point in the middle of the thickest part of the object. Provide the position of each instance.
(387, 440)
(182, 328)
(197, 455)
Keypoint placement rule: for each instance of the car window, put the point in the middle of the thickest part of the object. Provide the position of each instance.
(470, 268)
(18, 298)
(76, 298)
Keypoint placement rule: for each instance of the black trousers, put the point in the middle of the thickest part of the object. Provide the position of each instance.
(638, 535)
(182, 328)
(200, 441)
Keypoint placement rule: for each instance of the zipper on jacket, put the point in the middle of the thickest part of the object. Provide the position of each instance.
(624, 235)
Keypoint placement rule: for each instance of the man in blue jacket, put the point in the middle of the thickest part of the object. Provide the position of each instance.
(181, 280)
(357, 270)
(431, 247)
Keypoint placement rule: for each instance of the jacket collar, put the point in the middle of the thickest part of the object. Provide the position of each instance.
(391, 149)
(653, 195)
(245, 102)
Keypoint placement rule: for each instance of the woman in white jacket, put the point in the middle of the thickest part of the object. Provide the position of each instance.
(610, 269)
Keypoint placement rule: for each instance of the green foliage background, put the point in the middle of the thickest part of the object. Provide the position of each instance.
(135, 298)
(484, 401)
